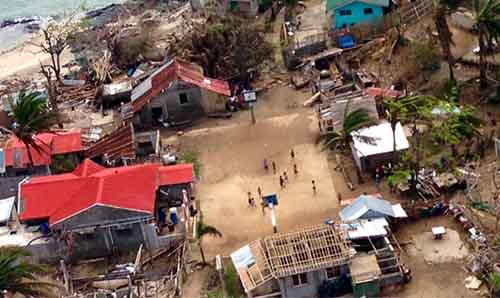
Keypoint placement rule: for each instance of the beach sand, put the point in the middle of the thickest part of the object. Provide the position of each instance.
(24, 61)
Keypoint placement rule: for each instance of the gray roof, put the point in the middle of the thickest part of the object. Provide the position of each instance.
(364, 204)
(9, 186)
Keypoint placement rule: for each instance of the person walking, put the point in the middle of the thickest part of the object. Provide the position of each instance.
(292, 154)
(314, 187)
(282, 182)
(274, 167)
(285, 178)
(266, 165)
(259, 191)
(252, 202)
(295, 170)
(249, 199)
(263, 205)
(377, 181)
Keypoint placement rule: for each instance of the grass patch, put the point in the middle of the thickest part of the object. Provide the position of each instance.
(191, 157)
(233, 285)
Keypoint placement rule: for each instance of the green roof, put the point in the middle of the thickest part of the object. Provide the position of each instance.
(334, 4)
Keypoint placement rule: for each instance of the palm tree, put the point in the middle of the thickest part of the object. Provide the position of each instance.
(352, 121)
(412, 108)
(488, 25)
(31, 117)
(445, 36)
(204, 230)
(17, 276)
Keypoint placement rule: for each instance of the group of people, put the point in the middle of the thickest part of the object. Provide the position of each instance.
(253, 204)
(283, 179)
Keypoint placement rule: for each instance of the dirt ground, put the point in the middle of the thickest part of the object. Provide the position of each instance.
(232, 154)
(437, 267)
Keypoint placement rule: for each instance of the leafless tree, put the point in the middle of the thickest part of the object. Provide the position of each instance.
(56, 38)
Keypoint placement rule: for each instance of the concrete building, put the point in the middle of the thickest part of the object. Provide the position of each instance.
(346, 13)
(177, 93)
(101, 211)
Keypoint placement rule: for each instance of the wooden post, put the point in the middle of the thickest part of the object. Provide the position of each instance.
(219, 265)
(67, 281)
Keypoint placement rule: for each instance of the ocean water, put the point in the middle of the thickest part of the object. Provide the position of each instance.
(12, 36)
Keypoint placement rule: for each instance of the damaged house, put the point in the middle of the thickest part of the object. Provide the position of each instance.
(177, 93)
(293, 264)
(16, 159)
(101, 211)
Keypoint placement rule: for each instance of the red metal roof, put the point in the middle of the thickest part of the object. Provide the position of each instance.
(132, 188)
(176, 70)
(177, 174)
(50, 144)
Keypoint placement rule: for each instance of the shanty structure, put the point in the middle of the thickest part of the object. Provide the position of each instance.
(332, 111)
(177, 93)
(298, 261)
(16, 159)
(371, 207)
(374, 146)
(365, 276)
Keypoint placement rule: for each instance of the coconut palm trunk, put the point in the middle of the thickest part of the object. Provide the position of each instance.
(483, 64)
(445, 39)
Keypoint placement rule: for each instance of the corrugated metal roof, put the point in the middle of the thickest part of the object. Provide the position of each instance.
(118, 144)
(364, 204)
(132, 188)
(168, 73)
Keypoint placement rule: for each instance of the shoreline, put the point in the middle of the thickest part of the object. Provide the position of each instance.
(23, 60)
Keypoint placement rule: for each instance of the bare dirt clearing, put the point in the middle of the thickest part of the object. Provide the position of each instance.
(232, 165)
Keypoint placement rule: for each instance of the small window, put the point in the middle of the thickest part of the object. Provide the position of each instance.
(183, 99)
(345, 12)
(368, 10)
(332, 272)
(299, 279)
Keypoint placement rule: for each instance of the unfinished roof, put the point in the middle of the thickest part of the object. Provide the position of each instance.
(381, 139)
(334, 108)
(286, 254)
(364, 268)
(252, 266)
(311, 249)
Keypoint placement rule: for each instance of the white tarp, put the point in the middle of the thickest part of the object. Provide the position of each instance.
(243, 257)
(6, 208)
(381, 139)
(366, 228)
